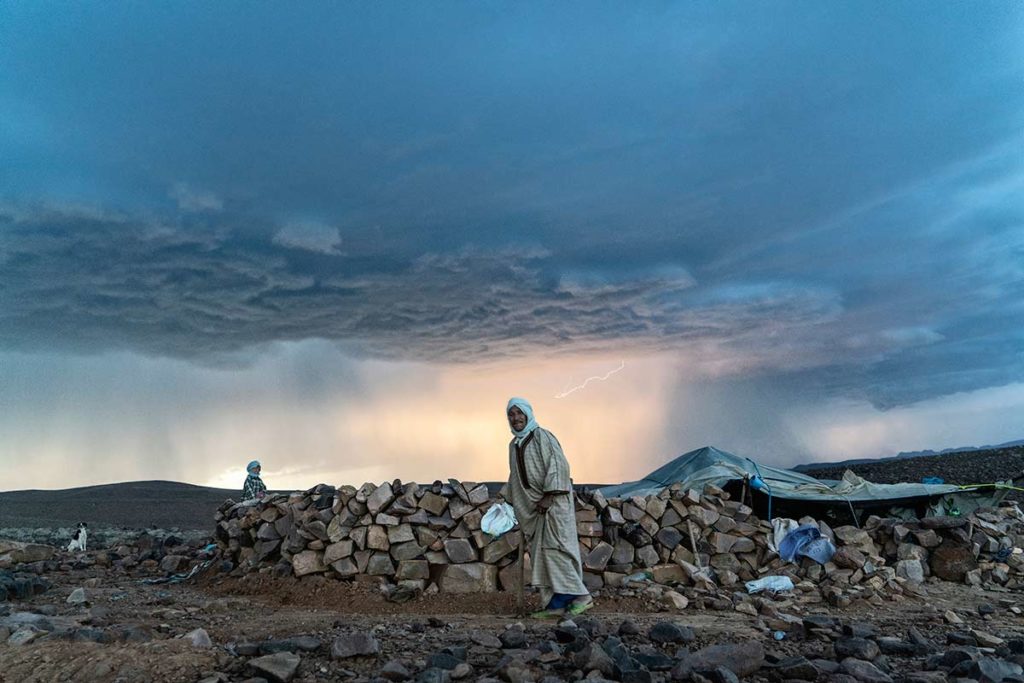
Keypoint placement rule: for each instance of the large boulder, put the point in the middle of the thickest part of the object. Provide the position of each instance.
(951, 561)
(16, 552)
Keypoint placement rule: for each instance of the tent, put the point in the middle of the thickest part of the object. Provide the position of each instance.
(709, 465)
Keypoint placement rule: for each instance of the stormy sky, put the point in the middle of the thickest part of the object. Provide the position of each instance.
(337, 237)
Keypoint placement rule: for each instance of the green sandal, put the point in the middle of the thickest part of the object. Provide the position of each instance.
(577, 608)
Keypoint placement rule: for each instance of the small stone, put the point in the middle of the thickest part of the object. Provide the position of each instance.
(593, 658)
(987, 639)
(24, 635)
(951, 617)
(674, 600)
(354, 645)
(865, 672)
(443, 660)
(669, 632)
(858, 648)
(797, 668)
(485, 640)
(279, 667)
(513, 639)
(77, 597)
(992, 670)
(746, 608)
(199, 638)
(629, 628)
(743, 659)
(895, 646)
(911, 570)
(394, 670)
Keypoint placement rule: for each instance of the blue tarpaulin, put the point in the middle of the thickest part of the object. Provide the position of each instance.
(709, 465)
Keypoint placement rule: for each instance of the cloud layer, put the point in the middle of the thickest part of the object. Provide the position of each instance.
(789, 206)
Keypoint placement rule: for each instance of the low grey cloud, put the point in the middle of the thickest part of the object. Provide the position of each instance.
(190, 199)
(311, 236)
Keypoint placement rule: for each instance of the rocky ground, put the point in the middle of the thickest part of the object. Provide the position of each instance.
(93, 622)
(98, 616)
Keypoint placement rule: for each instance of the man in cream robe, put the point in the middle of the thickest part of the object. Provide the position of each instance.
(540, 490)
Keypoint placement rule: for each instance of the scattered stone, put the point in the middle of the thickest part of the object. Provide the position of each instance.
(593, 658)
(24, 635)
(797, 668)
(629, 628)
(858, 648)
(394, 670)
(670, 632)
(485, 639)
(675, 600)
(354, 645)
(279, 667)
(77, 597)
(987, 639)
(513, 639)
(865, 672)
(743, 659)
(199, 638)
(993, 670)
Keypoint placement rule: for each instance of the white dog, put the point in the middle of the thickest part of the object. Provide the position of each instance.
(78, 541)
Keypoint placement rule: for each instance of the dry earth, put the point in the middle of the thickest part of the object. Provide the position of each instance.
(257, 608)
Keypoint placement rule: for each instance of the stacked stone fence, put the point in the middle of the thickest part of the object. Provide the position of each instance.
(429, 538)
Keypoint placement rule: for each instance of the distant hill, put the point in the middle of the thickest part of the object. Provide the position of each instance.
(959, 467)
(903, 455)
(136, 504)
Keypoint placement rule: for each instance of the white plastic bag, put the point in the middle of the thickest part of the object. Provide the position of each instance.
(499, 519)
(773, 584)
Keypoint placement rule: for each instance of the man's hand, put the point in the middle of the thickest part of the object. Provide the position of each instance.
(544, 503)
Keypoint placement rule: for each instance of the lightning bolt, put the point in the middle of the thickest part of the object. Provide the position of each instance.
(598, 378)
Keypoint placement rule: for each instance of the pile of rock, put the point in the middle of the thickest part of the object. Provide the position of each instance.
(699, 541)
(143, 552)
(20, 586)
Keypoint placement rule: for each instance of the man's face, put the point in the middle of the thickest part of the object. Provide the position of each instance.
(516, 418)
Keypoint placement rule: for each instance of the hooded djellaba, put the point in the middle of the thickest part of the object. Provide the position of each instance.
(540, 490)
(253, 489)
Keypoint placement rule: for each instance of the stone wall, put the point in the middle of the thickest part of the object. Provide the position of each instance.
(429, 538)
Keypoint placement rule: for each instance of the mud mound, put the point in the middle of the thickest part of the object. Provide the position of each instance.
(366, 597)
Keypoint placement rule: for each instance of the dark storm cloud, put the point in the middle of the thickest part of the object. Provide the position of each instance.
(826, 194)
(90, 282)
